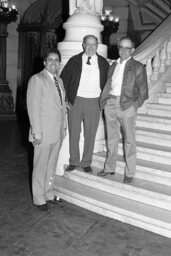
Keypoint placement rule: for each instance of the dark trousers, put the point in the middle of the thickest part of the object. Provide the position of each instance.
(86, 111)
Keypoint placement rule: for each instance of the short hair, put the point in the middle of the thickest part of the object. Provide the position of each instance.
(127, 38)
(52, 50)
(88, 36)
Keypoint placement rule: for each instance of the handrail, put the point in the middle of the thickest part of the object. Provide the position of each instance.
(154, 42)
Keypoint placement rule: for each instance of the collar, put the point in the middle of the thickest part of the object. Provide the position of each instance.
(123, 62)
(50, 74)
(92, 57)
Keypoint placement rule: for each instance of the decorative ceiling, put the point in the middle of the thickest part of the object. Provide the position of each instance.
(147, 14)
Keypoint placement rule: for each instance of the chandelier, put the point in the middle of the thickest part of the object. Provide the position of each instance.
(109, 21)
(8, 12)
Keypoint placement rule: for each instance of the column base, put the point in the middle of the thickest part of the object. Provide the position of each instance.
(6, 101)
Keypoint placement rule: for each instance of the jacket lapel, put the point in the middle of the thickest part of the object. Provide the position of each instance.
(108, 83)
(52, 86)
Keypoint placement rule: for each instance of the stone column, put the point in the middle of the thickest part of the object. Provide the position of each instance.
(6, 99)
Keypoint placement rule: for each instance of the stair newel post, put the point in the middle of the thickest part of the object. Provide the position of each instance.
(149, 69)
(168, 50)
(156, 66)
(163, 58)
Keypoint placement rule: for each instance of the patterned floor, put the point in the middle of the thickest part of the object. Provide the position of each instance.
(65, 230)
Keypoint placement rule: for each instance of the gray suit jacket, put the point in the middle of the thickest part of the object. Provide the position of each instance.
(46, 115)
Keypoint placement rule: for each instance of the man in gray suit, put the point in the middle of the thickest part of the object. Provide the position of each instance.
(47, 114)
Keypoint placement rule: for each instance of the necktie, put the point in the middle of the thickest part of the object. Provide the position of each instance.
(58, 88)
(88, 61)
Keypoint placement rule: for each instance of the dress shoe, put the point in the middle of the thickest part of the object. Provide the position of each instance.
(103, 173)
(128, 179)
(88, 169)
(56, 200)
(42, 207)
(70, 168)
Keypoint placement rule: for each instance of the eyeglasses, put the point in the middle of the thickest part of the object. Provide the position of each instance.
(127, 49)
(52, 60)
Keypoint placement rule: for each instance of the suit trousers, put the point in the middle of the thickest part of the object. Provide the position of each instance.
(44, 167)
(86, 111)
(126, 120)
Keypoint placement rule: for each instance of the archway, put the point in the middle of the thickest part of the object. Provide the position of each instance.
(39, 29)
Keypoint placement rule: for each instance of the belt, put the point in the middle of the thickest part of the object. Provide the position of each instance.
(114, 97)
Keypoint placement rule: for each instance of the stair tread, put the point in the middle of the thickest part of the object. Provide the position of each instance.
(142, 186)
(141, 163)
(111, 200)
(149, 146)
(152, 130)
(164, 95)
(155, 147)
(153, 117)
(153, 138)
(157, 105)
(153, 165)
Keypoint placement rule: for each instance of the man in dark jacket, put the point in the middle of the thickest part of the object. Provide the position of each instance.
(84, 77)
(125, 91)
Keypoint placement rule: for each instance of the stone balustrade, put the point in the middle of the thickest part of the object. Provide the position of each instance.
(158, 61)
(155, 54)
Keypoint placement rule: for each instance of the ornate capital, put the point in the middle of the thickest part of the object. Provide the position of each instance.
(7, 15)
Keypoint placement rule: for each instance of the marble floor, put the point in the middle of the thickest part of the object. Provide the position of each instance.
(65, 230)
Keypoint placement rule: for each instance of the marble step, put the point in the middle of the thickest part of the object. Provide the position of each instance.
(159, 109)
(155, 122)
(145, 216)
(147, 171)
(153, 137)
(168, 88)
(164, 98)
(139, 190)
(150, 152)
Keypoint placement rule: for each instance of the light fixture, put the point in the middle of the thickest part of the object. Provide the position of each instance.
(110, 23)
(8, 12)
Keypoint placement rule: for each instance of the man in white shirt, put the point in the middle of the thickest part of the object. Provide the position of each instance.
(84, 77)
(125, 91)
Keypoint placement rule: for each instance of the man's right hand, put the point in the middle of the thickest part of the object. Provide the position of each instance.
(37, 139)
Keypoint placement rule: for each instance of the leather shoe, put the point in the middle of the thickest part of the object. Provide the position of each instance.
(55, 200)
(42, 207)
(103, 173)
(128, 179)
(70, 168)
(88, 169)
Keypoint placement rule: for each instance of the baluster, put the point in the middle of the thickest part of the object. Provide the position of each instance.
(156, 66)
(168, 51)
(163, 58)
(149, 69)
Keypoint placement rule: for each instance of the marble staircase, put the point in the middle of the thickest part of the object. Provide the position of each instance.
(146, 202)
(163, 106)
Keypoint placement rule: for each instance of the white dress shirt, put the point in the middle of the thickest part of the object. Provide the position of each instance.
(89, 86)
(117, 78)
